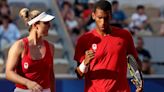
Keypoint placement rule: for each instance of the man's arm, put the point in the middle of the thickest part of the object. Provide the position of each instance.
(82, 67)
(78, 72)
(132, 50)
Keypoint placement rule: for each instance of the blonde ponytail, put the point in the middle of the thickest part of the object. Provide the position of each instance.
(25, 14)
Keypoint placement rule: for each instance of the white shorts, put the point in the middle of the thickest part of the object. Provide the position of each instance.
(26, 90)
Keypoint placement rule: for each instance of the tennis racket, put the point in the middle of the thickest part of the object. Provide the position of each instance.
(134, 71)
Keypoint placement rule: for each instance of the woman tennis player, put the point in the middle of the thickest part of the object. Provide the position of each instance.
(30, 59)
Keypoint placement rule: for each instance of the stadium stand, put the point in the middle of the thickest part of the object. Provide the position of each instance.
(61, 38)
(129, 10)
(152, 12)
(38, 5)
(156, 24)
(15, 8)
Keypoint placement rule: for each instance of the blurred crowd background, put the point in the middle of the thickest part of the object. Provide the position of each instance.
(143, 18)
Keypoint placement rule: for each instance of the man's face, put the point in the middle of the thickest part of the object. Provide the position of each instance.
(101, 18)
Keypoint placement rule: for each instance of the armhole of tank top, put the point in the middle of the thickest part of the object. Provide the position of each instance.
(48, 49)
(21, 56)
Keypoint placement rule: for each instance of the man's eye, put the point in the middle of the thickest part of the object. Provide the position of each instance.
(100, 17)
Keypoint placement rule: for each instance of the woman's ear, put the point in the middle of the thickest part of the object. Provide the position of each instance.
(35, 26)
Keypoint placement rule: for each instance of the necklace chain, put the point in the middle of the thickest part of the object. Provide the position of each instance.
(39, 46)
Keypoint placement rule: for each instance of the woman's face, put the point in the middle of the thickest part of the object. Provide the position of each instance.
(42, 28)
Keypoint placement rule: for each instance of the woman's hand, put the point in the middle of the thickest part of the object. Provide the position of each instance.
(35, 87)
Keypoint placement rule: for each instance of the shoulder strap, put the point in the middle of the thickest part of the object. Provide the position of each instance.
(25, 41)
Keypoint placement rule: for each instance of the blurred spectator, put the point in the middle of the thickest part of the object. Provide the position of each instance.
(59, 3)
(9, 33)
(79, 7)
(66, 8)
(83, 1)
(144, 56)
(86, 15)
(118, 16)
(162, 24)
(162, 30)
(162, 11)
(69, 16)
(71, 21)
(4, 9)
(139, 22)
(146, 67)
(143, 53)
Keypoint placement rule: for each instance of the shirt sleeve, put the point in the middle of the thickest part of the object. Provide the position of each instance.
(130, 46)
(80, 50)
(134, 17)
(123, 15)
(131, 49)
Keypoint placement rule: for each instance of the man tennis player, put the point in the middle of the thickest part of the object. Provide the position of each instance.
(101, 54)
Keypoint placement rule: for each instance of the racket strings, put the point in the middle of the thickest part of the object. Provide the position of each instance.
(133, 67)
(133, 64)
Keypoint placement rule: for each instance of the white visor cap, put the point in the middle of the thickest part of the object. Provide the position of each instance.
(41, 17)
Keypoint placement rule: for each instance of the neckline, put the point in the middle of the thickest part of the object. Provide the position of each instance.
(99, 35)
(29, 55)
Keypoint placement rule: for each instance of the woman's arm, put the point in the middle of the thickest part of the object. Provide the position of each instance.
(14, 55)
(12, 60)
(52, 81)
(52, 77)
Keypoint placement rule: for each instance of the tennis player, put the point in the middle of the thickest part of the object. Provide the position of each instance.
(30, 60)
(101, 54)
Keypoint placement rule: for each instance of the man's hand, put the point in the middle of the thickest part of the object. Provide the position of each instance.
(89, 55)
(139, 89)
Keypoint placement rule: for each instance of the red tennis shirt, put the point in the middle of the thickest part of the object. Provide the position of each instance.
(108, 70)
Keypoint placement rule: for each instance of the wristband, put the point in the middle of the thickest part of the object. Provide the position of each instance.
(83, 68)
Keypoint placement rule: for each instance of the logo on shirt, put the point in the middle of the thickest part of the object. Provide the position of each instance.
(26, 65)
(94, 47)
